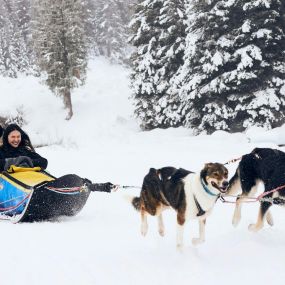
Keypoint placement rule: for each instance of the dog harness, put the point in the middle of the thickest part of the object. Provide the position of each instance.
(201, 212)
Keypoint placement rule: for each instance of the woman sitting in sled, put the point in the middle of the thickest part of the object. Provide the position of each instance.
(17, 150)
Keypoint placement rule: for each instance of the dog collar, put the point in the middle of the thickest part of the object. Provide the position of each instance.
(207, 189)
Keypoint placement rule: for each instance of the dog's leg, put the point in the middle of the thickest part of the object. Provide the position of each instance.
(234, 187)
(248, 190)
(201, 238)
(179, 236)
(269, 218)
(264, 206)
(237, 212)
(180, 229)
(144, 226)
(160, 224)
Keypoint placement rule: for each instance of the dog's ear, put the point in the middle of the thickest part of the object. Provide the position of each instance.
(204, 172)
(208, 165)
(152, 171)
(158, 173)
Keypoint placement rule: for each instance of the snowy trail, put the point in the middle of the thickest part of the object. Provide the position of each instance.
(103, 245)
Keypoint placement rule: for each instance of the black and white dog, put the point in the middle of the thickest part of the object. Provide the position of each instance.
(264, 165)
(191, 195)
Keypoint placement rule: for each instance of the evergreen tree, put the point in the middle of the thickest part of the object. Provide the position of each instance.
(5, 29)
(110, 30)
(234, 72)
(125, 8)
(106, 28)
(159, 36)
(14, 55)
(23, 11)
(89, 20)
(23, 18)
(60, 45)
(20, 16)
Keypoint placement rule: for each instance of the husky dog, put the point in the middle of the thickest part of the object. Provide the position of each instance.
(263, 165)
(191, 195)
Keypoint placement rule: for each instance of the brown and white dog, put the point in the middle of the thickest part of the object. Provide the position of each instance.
(191, 195)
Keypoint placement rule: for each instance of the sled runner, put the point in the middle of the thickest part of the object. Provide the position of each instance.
(29, 195)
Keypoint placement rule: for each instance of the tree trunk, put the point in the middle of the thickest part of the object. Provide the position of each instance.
(67, 103)
(108, 49)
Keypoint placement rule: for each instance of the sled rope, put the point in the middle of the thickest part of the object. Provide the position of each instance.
(259, 198)
(233, 160)
(14, 207)
(129, 186)
(262, 195)
(248, 199)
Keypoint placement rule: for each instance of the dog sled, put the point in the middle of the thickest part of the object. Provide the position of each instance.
(30, 195)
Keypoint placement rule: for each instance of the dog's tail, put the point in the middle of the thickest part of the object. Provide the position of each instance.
(135, 201)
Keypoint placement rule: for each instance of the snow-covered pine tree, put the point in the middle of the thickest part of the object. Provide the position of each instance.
(125, 8)
(14, 56)
(111, 32)
(89, 20)
(22, 35)
(234, 71)
(173, 19)
(60, 45)
(23, 12)
(159, 36)
(5, 28)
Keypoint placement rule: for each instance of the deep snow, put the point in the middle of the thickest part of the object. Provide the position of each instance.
(103, 245)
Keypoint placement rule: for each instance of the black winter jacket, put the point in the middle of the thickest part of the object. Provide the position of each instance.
(11, 152)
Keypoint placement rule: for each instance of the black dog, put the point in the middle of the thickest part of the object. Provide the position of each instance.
(261, 165)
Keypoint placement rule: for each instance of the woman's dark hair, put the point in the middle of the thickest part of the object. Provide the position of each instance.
(25, 140)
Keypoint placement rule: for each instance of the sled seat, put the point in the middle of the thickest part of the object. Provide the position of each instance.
(28, 176)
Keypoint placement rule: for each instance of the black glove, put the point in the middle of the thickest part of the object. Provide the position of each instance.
(23, 161)
(102, 187)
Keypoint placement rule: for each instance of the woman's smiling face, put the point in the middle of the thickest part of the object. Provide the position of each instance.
(14, 138)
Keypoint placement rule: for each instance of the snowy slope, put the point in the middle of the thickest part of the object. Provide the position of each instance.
(103, 245)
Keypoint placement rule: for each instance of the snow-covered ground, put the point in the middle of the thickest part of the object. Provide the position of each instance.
(103, 245)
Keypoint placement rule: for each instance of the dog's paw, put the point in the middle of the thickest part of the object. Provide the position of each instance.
(196, 241)
(253, 228)
(161, 232)
(143, 233)
(236, 221)
(269, 219)
(179, 247)
(144, 230)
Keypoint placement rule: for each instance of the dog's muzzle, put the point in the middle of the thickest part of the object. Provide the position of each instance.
(223, 188)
